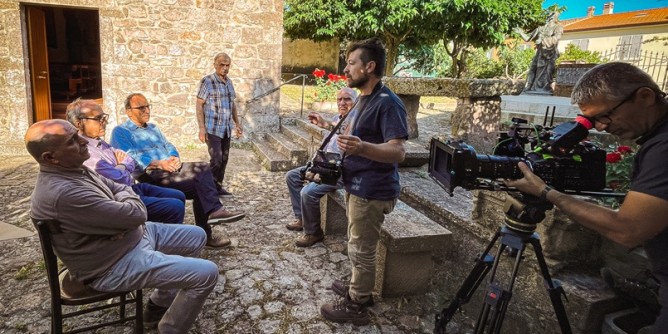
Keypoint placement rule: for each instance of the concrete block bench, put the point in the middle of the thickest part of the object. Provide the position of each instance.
(404, 262)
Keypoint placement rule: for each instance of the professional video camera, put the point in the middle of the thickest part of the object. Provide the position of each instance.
(556, 154)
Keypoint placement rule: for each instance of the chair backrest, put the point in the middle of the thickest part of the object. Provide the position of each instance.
(44, 230)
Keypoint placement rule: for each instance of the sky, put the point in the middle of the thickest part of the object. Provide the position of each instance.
(578, 8)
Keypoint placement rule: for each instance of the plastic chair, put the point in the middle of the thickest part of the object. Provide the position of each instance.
(67, 291)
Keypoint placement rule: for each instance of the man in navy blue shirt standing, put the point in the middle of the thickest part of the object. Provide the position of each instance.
(373, 145)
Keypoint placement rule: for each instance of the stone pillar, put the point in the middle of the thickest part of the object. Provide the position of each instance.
(476, 121)
(412, 104)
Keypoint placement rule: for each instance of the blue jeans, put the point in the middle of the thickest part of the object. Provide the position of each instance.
(164, 260)
(305, 199)
(219, 151)
(196, 182)
(163, 205)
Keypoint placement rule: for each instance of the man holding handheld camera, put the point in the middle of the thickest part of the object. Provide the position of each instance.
(304, 195)
(624, 101)
(373, 145)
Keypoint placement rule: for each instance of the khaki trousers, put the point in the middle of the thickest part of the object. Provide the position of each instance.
(364, 220)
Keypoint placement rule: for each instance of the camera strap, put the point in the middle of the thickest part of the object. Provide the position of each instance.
(375, 93)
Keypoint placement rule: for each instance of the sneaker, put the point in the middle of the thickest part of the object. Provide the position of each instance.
(296, 225)
(153, 314)
(224, 216)
(341, 288)
(308, 240)
(217, 241)
(346, 311)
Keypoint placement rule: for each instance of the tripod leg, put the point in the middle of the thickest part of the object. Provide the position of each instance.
(504, 295)
(497, 298)
(470, 285)
(553, 287)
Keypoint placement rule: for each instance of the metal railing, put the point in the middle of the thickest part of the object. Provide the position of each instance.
(655, 63)
(297, 76)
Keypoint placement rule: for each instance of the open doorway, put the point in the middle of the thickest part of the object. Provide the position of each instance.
(63, 47)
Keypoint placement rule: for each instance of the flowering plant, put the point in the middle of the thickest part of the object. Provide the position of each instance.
(327, 85)
(619, 163)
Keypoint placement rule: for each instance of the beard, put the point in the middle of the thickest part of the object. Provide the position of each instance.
(359, 83)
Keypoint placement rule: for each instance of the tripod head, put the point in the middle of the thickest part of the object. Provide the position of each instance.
(523, 212)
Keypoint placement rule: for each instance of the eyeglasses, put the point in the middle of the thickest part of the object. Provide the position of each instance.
(604, 118)
(143, 109)
(102, 118)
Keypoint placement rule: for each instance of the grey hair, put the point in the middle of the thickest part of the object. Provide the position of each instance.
(128, 99)
(613, 81)
(75, 110)
(350, 91)
(222, 55)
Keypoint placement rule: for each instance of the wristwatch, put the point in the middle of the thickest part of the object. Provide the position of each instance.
(543, 194)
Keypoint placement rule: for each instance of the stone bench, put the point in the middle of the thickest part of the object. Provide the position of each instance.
(404, 262)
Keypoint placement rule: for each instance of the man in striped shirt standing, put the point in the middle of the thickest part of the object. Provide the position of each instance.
(217, 117)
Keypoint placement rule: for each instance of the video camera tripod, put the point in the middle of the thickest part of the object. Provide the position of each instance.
(522, 214)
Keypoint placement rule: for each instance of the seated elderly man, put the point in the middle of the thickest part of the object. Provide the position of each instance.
(305, 199)
(162, 204)
(158, 163)
(104, 239)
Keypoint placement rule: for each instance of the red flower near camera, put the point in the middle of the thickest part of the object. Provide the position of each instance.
(624, 149)
(618, 168)
(613, 157)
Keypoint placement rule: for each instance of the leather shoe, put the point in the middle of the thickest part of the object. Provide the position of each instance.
(217, 241)
(296, 225)
(223, 193)
(308, 240)
(223, 216)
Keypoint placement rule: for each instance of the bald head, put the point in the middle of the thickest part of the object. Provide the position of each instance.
(55, 141)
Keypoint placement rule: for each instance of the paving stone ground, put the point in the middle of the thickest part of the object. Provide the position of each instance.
(267, 285)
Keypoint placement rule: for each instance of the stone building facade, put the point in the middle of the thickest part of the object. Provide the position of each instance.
(160, 48)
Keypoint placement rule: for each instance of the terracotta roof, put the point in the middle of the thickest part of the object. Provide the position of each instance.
(627, 19)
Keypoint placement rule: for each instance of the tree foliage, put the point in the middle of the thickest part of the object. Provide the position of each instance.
(573, 53)
(394, 21)
(412, 25)
(462, 24)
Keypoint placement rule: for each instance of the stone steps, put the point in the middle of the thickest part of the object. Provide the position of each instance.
(297, 141)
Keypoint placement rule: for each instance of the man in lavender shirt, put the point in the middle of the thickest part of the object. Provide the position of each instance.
(162, 204)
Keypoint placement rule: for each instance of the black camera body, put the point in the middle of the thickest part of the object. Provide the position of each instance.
(328, 167)
(557, 156)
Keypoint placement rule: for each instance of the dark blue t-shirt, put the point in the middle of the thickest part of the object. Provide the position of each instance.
(381, 119)
(650, 176)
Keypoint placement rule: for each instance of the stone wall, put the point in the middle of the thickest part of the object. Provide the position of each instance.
(303, 56)
(160, 48)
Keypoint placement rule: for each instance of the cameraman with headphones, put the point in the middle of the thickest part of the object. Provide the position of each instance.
(623, 100)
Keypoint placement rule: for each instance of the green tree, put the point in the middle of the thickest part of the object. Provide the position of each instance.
(480, 65)
(465, 24)
(573, 53)
(394, 21)
(515, 60)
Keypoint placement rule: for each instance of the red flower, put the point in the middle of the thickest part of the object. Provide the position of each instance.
(332, 77)
(318, 73)
(624, 149)
(342, 78)
(613, 157)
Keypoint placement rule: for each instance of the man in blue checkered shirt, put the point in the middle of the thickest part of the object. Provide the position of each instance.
(217, 117)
